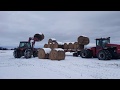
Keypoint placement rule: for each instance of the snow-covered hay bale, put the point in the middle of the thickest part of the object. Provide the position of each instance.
(57, 54)
(39, 36)
(45, 45)
(43, 53)
(51, 40)
(58, 45)
(83, 40)
(50, 45)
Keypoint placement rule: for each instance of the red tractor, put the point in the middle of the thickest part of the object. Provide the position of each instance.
(103, 50)
(26, 48)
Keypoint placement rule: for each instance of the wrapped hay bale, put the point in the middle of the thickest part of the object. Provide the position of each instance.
(39, 36)
(83, 40)
(57, 54)
(45, 45)
(43, 53)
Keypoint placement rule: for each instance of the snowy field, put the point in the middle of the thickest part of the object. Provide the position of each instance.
(70, 68)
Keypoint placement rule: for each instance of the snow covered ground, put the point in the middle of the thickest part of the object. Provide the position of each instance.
(70, 68)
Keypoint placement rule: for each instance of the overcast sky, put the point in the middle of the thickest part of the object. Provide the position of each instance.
(65, 26)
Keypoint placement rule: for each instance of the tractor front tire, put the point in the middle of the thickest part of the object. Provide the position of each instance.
(16, 54)
(27, 53)
(86, 53)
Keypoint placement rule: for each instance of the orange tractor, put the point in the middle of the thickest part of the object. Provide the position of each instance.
(103, 50)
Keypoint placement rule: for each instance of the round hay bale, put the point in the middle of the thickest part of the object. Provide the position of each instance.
(80, 39)
(39, 37)
(65, 46)
(43, 36)
(53, 55)
(61, 55)
(57, 54)
(55, 45)
(51, 40)
(43, 53)
(71, 46)
(86, 41)
(45, 45)
(50, 45)
(75, 46)
(83, 40)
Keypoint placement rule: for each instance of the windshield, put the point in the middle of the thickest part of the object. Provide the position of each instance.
(25, 44)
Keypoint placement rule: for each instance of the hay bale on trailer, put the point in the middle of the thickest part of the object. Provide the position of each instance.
(76, 45)
(43, 53)
(83, 40)
(65, 46)
(57, 54)
(45, 45)
(51, 40)
(71, 45)
(58, 45)
(50, 45)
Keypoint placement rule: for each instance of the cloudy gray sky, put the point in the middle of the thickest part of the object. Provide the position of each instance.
(65, 26)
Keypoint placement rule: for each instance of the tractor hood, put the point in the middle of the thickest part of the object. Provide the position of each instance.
(112, 45)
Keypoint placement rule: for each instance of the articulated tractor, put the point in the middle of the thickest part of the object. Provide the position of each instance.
(103, 50)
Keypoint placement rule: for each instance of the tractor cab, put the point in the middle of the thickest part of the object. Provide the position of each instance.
(101, 42)
(24, 45)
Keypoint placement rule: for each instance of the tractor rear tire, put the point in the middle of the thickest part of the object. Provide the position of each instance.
(27, 53)
(86, 53)
(104, 55)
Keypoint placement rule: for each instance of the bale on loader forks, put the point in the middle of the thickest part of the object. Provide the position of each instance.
(26, 48)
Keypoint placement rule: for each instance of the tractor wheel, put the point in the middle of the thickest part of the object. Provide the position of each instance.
(16, 54)
(35, 54)
(75, 54)
(86, 54)
(104, 55)
(27, 53)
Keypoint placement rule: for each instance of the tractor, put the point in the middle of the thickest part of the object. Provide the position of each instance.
(103, 50)
(26, 48)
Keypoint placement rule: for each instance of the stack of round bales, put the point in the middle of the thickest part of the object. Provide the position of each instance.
(83, 40)
(57, 54)
(43, 53)
(39, 36)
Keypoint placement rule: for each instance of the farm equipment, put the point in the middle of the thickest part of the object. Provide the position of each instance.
(103, 50)
(26, 48)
